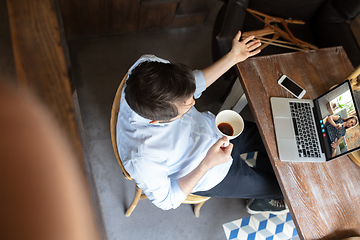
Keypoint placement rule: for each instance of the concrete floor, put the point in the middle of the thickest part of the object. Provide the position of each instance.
(98, 66)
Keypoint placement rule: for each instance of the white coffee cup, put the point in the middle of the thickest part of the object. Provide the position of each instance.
(227, 118)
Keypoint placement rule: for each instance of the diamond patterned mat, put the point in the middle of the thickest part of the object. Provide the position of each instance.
(263, 226)
(249, 158)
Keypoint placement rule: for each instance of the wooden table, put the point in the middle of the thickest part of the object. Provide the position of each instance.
(323, 198)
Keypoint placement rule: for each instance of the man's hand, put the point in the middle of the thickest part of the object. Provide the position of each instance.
(215, 156)
(244, 49)
(239, 52)
(218, 154)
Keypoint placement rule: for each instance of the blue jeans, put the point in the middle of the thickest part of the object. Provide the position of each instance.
(243, 181)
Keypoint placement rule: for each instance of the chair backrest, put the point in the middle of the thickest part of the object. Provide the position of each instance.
(113, 120)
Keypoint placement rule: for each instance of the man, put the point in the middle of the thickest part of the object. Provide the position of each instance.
(171, 150)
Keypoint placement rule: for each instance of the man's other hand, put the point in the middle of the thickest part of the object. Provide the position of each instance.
(218, 154)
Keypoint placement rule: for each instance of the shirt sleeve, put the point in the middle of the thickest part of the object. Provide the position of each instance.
(200, 83)
(152, 176)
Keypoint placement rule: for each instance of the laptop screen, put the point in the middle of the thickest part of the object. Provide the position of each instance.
(337, 117)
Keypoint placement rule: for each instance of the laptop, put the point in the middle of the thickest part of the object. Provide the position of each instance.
(300, 125)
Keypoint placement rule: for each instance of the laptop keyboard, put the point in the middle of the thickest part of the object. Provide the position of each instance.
(305, 134)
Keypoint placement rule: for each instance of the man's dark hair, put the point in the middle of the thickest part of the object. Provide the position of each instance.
(153, 88)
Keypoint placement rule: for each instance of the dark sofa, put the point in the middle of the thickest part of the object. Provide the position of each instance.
(327, 23)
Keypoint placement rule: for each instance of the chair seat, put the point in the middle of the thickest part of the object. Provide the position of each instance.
(194, 199)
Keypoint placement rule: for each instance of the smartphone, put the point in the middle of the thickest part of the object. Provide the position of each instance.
(291, 86)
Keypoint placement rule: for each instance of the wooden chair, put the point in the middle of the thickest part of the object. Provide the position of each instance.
(191, 199)
(271, 29)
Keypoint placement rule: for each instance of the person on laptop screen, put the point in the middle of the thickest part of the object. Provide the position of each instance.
(340, 122)
(336, 127)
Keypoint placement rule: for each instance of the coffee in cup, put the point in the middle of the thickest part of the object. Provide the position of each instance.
(230, 124)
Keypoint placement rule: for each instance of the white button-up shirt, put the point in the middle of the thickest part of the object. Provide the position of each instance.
(157, 155)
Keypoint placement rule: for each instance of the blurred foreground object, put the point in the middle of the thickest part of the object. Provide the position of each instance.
(43, 191)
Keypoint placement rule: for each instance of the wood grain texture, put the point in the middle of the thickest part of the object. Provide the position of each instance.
(323, 197)
(81, 18)
(40, 62)
(156, 15)
(118, 17)
(95, 18)
(7, 64)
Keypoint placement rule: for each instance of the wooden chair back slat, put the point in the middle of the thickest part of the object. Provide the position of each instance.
(113, 121)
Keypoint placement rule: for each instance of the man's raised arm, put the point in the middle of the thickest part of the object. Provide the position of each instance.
(239, 52)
